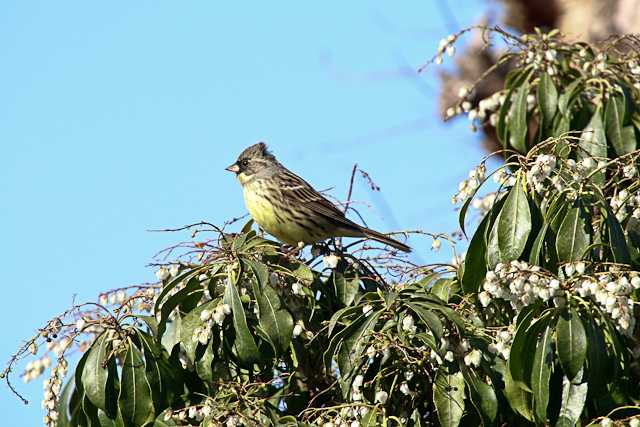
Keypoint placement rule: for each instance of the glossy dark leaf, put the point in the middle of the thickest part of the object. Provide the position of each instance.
(443, 288)
(573, 237)
(617, 239)
(448, 397)
(475, 266)
(514, 224)
(430, 319)
(571, 342)
(244, 345)
(184, 277)
(190, 322)
(135, 400)
(346, 289)
(566, 99)
(193, 287)
(354, 344)
(95, 372)
(520, 400)
(574, 396)
(203, 365)
(518, 126)
(64, 402)
(482, 395)
(547, 98)
(522, 351)
(274, 318)
(541, 373)
(593, 143)
(538, 245)
(614, 118)
(598, 362)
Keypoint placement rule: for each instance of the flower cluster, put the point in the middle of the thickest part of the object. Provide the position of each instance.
(203, 333)
(522, 284)
(484, 204)
(487, 109)
(446, 46)
(35, 368)
(623, 203)
(543, 166)
(196, 413)
(611, 291)
(503, 340)
(468, 187)
(52, 387)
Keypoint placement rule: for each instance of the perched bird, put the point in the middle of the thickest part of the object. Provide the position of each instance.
(287, 207)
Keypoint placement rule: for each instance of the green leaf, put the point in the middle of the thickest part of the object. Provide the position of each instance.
(493, 248)
(337, 339)
(518, 120)
(443, 288)
(502, 130)
(522, 350)
(475, 266)
(573, 238)
(260, 271)
(346, 290)
(598, 362)
(161, 422)
(519, 399)
(274, 319)
(135, 400)
(514, 224)
(153, 355)
(614, 118)
(94, 374)
(64, 402)
(593, 143)
(243, 344)
(193, 287)
(448, 397)
(186, 276)
(571, 342)
(547, 98)
(541, 373)
(482, 395)
(303, 273)
(172, 335)
(574, 395)
(617, 239)
(90, 411)
(188, 325)
(430, 319)
(105, 421)
(538, 245)
(568, 97)
(354, 344)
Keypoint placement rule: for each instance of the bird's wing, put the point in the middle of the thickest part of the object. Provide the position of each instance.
(300, 190)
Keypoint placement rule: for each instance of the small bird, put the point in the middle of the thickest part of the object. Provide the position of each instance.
(287, 207)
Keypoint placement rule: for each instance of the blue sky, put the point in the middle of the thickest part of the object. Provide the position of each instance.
(118, 117)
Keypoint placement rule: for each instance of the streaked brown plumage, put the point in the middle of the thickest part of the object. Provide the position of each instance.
(287, 207)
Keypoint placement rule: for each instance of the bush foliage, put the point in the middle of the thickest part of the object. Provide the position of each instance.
(535, 325)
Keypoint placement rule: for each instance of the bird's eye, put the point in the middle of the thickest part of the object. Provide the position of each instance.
(244, 163)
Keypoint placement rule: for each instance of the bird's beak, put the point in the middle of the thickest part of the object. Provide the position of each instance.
(233, 168)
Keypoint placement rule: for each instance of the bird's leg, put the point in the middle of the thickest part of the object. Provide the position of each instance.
(292, 251)
(320, 249)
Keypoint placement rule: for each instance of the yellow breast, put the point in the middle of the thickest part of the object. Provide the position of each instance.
(276, 219)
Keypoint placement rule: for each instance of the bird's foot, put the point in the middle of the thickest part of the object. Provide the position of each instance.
(320, 249)
(292, 251)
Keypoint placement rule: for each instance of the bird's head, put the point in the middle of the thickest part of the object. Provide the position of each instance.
(252, 162)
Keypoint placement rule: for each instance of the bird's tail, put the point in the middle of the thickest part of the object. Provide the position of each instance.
(372, 234)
